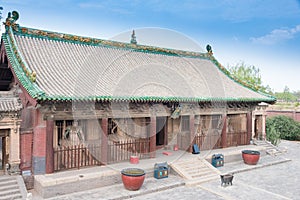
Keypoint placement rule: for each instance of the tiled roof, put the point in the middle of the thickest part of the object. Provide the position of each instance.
(70, 67)
(9, 104)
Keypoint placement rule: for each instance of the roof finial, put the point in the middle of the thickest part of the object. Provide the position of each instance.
(11, 19)
(133, 38)
(209, 50)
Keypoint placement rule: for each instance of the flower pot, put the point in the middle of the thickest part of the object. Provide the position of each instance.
(133, 178)
(250, 157)
(134, 159)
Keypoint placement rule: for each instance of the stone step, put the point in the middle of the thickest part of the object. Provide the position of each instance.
(12, 187)
(11, 191)
(9, 187)
(270, 148)
(11, 196)
(195, 171)
(8, 182)
(200, 174)
(6, 178)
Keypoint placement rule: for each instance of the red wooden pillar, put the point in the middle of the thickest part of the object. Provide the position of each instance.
(166, 131)
(39, 144)
(224, 132)
(49, 147)
(192, 132)
(152, 136)
(104, 140)
(26, 139)
(249, 127)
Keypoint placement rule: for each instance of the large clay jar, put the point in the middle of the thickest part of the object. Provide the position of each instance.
(250, 157)
(133, 178)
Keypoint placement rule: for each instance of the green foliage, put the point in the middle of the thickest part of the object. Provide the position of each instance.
(249, 74)
(284, 127)
(297, 94)
(273, 136)
(286, 95)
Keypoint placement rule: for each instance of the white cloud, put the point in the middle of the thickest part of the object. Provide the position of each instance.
(277, 36)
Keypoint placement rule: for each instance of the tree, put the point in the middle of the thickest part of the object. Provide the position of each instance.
(249, 74)
(282, 126)
(286, 95)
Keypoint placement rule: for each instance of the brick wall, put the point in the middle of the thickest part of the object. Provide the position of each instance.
(26, 140)
(289, 113)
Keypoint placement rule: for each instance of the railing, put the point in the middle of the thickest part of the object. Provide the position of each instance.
(209, 141)
(237, 138)
(69, 157)
(122, 150)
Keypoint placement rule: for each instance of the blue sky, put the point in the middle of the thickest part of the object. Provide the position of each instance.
(265, 33)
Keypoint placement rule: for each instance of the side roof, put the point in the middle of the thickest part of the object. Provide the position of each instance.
(64, 67)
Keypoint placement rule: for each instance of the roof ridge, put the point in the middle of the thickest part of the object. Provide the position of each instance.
(28, 77)
(66, 37)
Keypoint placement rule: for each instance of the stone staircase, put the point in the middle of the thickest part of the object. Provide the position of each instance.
(195, 170)
(12, 187)
(270, 148)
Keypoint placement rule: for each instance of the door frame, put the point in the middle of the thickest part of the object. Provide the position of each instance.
(4, 134)
(161, 135)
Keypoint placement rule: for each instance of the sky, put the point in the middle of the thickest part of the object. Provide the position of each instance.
(265, 34)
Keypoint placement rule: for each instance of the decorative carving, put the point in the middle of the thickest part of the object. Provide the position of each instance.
(209, 50)
(133, 38)
(176, 112)
(33, 76)
(139, 107)
(122, 106)
(11, 19)
(103, 106)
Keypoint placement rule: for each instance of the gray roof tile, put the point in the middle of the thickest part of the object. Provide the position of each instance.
(80, 70)
(9, 104)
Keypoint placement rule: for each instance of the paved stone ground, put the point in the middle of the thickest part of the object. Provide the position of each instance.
(280, 181)
(277, 181)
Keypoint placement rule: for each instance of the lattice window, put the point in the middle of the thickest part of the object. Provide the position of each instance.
(185, 123)
(60, 128)
(128, 128)
(237, 123)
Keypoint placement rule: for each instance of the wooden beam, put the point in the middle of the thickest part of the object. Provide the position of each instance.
(152, 136)
(104, 140)
(49, 147)
(224, 132)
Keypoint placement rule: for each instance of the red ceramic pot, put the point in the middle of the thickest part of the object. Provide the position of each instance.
(134, 159)
(133, 178)
(250, 157)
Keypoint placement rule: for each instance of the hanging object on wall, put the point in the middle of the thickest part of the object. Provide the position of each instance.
(176, 112)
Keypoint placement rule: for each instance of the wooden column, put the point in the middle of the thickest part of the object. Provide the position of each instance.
(152, 136)
(263, 127)
(104, 140)
(166, 131)
(49, 147)
(224, 132)
(14, 149)
(39, 144)
(192, 132)
(249, 127)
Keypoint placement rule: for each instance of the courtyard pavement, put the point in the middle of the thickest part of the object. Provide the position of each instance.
(274, 177)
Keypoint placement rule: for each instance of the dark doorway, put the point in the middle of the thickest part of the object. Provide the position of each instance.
(3, 150)
(161, 131)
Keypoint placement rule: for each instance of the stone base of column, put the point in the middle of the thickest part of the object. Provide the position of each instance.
(14, 169)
